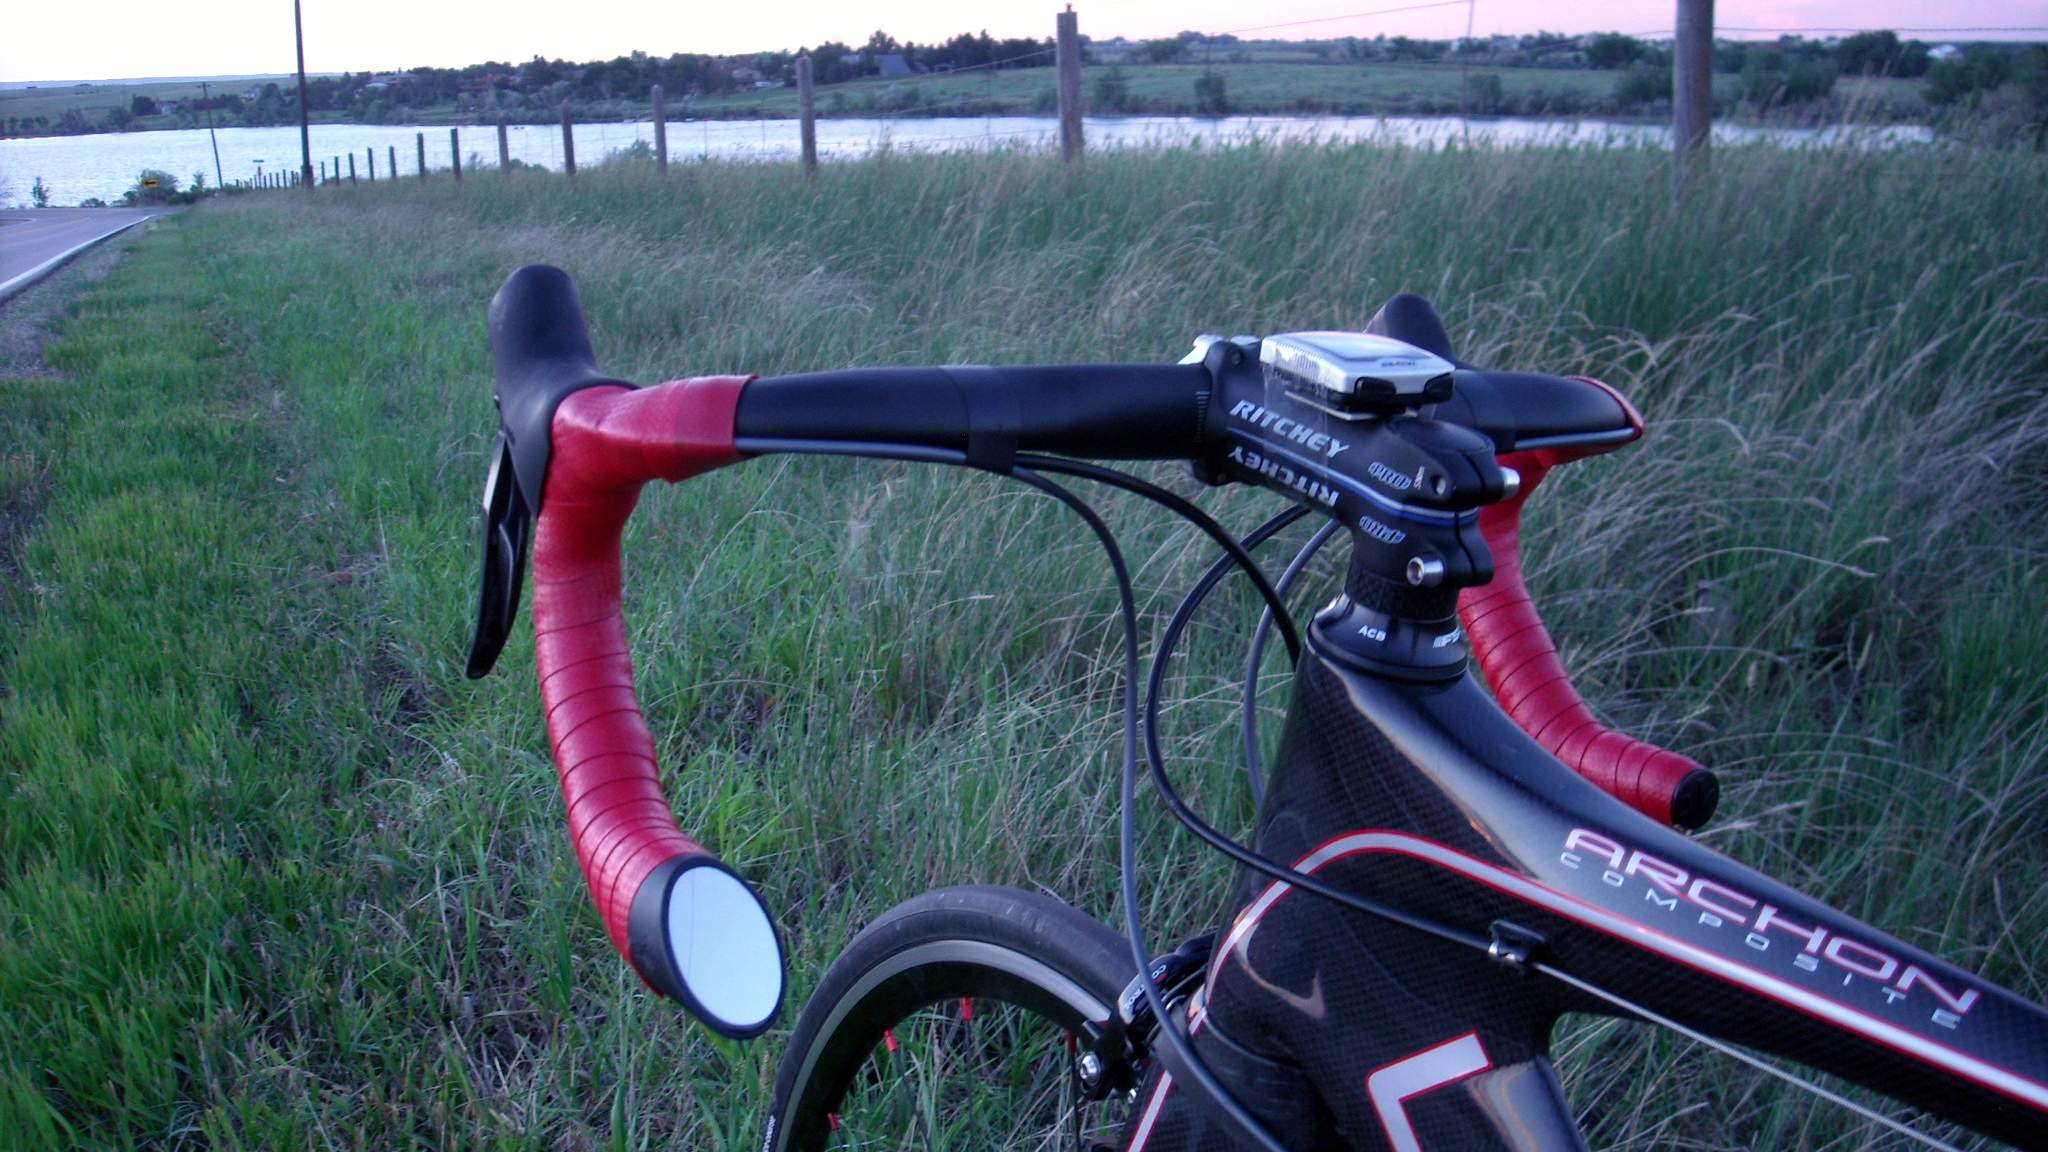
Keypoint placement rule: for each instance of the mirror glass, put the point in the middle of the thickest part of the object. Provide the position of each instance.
(724, 947)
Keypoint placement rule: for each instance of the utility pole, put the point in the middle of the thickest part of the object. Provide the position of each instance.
(1692, 90)
(1067, 54)
(305, 136)
(207, 95)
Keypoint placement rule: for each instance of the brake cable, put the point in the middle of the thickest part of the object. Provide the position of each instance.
(1238, 555)
(1169, 639)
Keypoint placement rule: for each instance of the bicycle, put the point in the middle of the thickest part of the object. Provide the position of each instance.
(1437, 876)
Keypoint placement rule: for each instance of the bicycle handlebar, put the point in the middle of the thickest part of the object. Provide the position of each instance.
(588, 443)
(1529, 681)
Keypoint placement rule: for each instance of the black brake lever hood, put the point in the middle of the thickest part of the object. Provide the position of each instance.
(540, 349)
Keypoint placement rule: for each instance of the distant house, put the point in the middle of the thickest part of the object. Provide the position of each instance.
(168, 107)
(892, 64)
(745, 75)
(252, 94)
(1944, 52)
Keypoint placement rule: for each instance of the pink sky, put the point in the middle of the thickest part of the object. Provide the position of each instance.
(113, 38)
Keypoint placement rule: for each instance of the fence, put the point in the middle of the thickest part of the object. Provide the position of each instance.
(950, 94)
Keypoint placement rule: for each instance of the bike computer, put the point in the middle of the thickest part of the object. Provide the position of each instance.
(1354, 375)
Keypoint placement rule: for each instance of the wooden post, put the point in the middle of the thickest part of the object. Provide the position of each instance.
(1692, 89)
(335, 168)
(323, 172)
(1068, 56)
(568, 142)
(370, 158)
(807, 104)
(660, 132)
(420, 139)
(391, 157)
(351, 168)
(305, 139)
(455, 153)
(504, 151)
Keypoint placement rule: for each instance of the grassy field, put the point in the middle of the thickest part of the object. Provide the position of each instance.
(94, 101)
(272, 874)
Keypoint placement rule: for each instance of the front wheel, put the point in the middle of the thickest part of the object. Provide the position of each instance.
(954, 1022)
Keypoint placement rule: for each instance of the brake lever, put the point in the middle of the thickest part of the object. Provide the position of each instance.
(507, 537)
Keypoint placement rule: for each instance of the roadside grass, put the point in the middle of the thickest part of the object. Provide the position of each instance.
(272, 874)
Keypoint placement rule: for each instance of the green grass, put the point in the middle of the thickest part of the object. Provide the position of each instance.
(94, 101)
(272, 874)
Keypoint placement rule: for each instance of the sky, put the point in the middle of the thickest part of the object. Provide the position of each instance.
(105, 39)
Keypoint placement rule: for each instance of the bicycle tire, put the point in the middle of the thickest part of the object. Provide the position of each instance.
(1032, 957)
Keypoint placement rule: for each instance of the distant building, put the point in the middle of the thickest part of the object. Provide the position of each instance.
(168, 107)
(1944, 52)
(892, 64)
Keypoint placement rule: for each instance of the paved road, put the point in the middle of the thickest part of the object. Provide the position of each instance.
(31, 238)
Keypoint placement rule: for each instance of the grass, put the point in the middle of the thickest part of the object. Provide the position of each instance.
(272, 874)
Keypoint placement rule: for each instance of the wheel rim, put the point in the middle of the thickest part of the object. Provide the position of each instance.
(956, 1044)
(973, 1073)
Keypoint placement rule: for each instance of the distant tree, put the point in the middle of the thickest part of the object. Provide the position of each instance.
(1112, 91)
(1164, 51)
(119, 118)
(1769, 78)
(142, 106)
(1404, 48)
(1611, 50)
(1483, 93)
(1212, 94)
(39, 194)
(1729, 56)
(1643, 85)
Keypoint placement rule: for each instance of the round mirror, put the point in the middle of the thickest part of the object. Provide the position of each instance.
(722, 949)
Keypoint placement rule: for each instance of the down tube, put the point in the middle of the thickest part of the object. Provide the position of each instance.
(1428, 798)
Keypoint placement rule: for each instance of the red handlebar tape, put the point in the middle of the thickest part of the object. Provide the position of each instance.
(1521, 664)
(608, 443)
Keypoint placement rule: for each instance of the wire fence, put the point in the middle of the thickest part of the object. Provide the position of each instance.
(1012, 97)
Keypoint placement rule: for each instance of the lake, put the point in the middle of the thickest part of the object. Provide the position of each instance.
(106, 165)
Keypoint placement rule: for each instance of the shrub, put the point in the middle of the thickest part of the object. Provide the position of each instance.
(1112, 91)
(1212, 94)
(164, 190)
(1641, 85)
(1483, 93)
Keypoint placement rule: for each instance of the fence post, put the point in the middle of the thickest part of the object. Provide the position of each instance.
(323, 172)
(455, 153)
(807, 103)
(568, 142)
(1692, 90)
(351, 168)
(660, 132)
(335, 168)
(370, 158)
(504, 151)
(391, 155)
(420, 139)
(1068, 56)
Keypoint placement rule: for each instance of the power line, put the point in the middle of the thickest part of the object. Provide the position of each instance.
(1350, 16)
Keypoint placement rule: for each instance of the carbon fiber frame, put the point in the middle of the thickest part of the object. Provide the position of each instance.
(1426, 797)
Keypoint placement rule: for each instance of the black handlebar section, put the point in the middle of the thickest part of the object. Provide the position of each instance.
(1104, 411)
